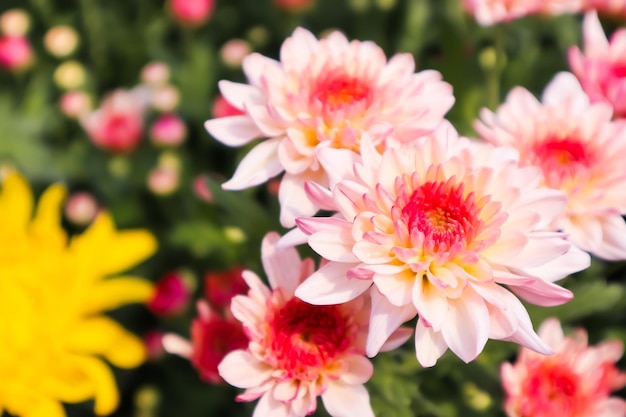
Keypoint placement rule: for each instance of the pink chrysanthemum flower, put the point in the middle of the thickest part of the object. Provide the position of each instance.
(601, 68)
(580, 152)
(322, 94)
(298, 351)
(438, 228)
(575, 382)
(489, 12)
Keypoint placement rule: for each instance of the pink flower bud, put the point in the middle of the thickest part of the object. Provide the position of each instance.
(191, 12)
(75, 103)
(165, 98)
(117, 126)
(221, 287)
(61, 41)
(14, 22)
(15, 53)
(171, 295)
(152, 340)
(222, 108)
(168, 130)
(163, 180)
(81, 208)
(155, 73)
(201, 189)
(234, 51)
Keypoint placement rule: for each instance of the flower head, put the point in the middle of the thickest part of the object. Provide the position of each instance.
(576, 381)
(220, 287)
(171, 295)
(579, 150)
(213, 336)
(601, 68)
(55, 352)
(16, 53)
(322, 94)
(117, 126)
(438, 228)
(297, 351)
(191, 12)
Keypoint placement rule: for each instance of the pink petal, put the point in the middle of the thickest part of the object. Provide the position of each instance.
(242, 370)
(294, 237)
(431, 302)
(296, 51)
(233, 130)
(338, 164)
(551, 333)
(256, 285)
(429, 345)
(397, 339)
(343, 400)
(613, 246)
(541, 293)
(359, 371)
(256, 66)
(268, 406)
(259, 165)
(173, 343)
(319, 195)
(396, 289)
(595, 41)
(293, 199)
(573, 261)
(385, 319)
(282, 266)
(331, 285)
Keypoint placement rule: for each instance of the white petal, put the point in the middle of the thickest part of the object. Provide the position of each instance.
(466, 329)
(242, 370)
(268, 406)
(259, 165)
(359, 371)
(294, 201)
(595, 41)
(385, 319)
(429, 345)
(342, 400)
(238, 94)
(282, 266)
(397, 339)
(177, 345)
(233, 130)
(331, 285)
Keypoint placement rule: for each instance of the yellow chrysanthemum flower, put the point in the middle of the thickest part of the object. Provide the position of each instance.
(54, 339)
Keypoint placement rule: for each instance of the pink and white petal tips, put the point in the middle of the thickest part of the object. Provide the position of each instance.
(298, 351)
(439, 230)
(580, 152)
(600, 66)
(323, 93)
(577, 380)
(609, 8)
(490, 12)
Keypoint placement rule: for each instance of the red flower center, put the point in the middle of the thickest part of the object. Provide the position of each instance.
(553, 389)
(304, 338)
(561, 159)
(442, 214)
(336, 91)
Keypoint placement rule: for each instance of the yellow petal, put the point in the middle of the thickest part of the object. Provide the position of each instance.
(66, 382)
(115, 292)
(47, 222)
(104, 337)
(106, 395)
(45, 408)
(16, 202)
(104, 250)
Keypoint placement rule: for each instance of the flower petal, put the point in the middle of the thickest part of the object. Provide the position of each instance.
(331, 285)
(343, 400)
(259, 165)
(242, 370)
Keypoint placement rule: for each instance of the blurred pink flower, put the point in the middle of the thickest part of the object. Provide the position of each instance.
(601, 69)
(155, 73)
(489, 12)
(163, 180)
(439, 228)
(171, 295)
(575, 382)
(201, 188)
(322, 94)
(117, 126)
(297, 351)
(212, 338)
(234, 51)
(81, 208)
(220, 287)
(222, 108)
(580, 152)
(15, 53)
(168, 130)
(153, 341)
(191, 12)
(75, 103)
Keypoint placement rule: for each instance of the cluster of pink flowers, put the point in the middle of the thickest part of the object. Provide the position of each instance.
(424, 223)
